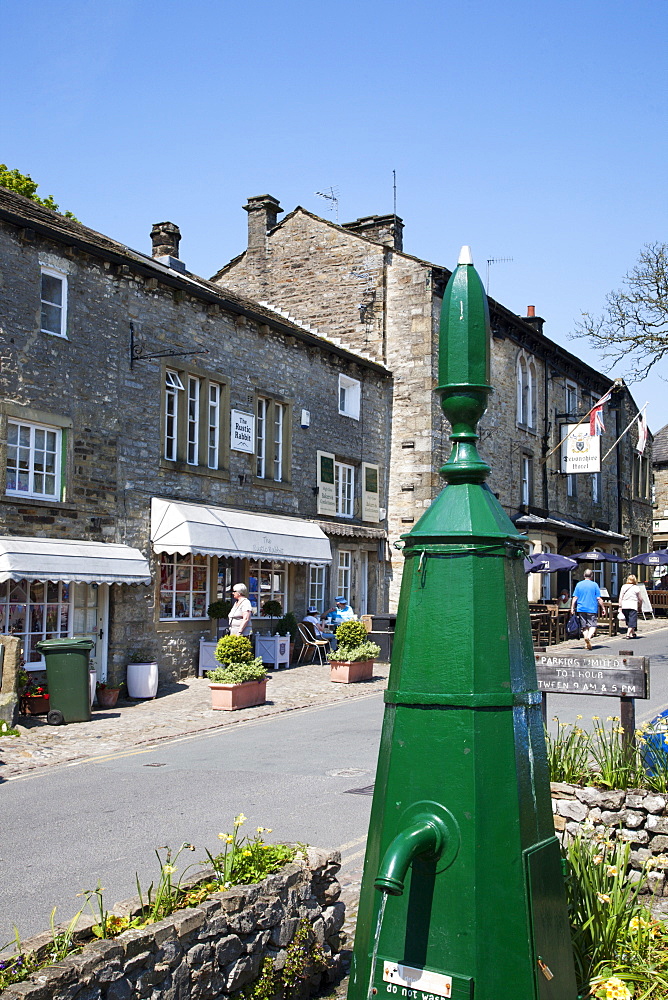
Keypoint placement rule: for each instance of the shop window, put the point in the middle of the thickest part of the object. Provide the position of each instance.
(344, 481)
(33, 460)
(316, 588)
(53, 315)
(349, 397)
(267, 581)
(272, 456)
(183, 586)
(344, 572)
(34, 611)
(193, 432)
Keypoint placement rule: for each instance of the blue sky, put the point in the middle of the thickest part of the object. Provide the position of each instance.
(530, 130)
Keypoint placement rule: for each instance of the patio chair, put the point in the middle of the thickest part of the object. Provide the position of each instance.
(309, 642)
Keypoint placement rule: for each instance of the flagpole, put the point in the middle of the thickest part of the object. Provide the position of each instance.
(581, 421)
(625, 431)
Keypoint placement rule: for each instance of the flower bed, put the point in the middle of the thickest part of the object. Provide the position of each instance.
(212, 949)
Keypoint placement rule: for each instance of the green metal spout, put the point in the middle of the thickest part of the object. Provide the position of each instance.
(423, 837)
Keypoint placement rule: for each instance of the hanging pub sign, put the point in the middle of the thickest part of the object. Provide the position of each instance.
(325, 481)
(242, 431)
(580, 452)
(370, 507)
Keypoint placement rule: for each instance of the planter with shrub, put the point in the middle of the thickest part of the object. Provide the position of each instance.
(240, 681)
(354, 657)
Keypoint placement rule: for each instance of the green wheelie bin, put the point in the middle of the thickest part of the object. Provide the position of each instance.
(67, 679)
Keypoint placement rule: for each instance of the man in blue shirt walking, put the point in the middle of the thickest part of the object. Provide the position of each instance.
(585, 604)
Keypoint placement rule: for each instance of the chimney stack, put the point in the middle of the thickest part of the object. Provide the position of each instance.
(166, 238)
(385, 229)
(535, 321)
(263, 211)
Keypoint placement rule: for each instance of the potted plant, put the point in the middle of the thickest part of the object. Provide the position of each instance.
(240, 681)
(142, 676)
(107, 694)
(33, 697)
(354, 658)
(287, 625)
(272, 609)
(219, 610)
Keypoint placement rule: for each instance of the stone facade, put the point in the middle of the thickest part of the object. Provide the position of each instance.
(133, 323)
(210, 950)
(660, 488)
(355, 283)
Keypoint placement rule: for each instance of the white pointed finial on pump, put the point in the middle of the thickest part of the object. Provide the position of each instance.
(465, 256)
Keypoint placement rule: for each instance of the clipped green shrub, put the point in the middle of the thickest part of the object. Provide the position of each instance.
(351, 634)
(287, 625)
(234, 649)
(272, 609)
(238, 673)
(219, 609)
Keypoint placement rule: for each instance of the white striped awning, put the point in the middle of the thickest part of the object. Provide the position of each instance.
(216, 531)
(70, 561)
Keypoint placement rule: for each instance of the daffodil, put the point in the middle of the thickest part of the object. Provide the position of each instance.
(603, 897)
(240, 819)
(598, 859)
(168, 869)
(612, 870)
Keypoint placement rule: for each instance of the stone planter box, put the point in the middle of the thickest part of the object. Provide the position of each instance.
(344, 672)
(211, 950)
(229, 697)
(636, 815)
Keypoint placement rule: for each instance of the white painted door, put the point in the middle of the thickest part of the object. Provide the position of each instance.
(90, 620)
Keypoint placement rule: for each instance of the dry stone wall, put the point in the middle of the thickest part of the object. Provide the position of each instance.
(637, 816)
(206, 952)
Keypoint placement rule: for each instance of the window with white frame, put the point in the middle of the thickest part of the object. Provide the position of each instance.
(546, 580)
(344, 482)
(192, 452)
(344, 572)
(173, 386)
(571, 485)
(527, 478)
(614, 577)
(32, 611)
(213, 426)
(53, 316)
(183, 586)
(526, 392)
(597, 569)
(349, 397)
(316, 588)
(596, 487)
(272, 453)
(571, 399)
(193, 409)
(33, 460)
(267, 581)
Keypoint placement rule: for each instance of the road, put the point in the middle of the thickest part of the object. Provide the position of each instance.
(68, 826)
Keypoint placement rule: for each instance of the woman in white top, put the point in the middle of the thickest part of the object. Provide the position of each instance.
(630, 603)
(240, 613)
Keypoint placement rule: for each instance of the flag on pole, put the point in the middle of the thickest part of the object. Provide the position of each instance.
(596, 425)
(642, 433)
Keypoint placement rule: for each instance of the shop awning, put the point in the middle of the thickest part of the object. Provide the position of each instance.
(217, 531)
(70, 561)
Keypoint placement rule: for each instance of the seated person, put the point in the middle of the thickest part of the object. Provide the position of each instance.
(342, 612)
(313, 620)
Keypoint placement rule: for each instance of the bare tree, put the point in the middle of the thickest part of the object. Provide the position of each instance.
(634, 325)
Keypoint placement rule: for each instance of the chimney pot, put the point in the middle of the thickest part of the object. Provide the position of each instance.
(531, 310)
(166, 238)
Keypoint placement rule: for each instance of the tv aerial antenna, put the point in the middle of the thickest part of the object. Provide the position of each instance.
(495, 260)
(332, 196)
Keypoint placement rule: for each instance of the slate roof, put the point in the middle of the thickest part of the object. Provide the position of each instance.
(660, 446)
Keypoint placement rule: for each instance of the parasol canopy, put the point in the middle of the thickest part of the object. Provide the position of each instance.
(547, 562)
(593, 556)
(658, 558)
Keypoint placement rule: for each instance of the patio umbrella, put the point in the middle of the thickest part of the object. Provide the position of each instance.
(547, 562)
(658, 558)
(594, 556)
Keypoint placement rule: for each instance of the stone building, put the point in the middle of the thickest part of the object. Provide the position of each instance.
(162, 438)
(355, 283)
(660, 488)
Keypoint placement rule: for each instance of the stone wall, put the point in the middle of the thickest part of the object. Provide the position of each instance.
(207, 951)
(637, 816)
(9, 699)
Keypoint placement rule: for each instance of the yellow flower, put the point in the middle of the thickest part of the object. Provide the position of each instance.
(578, 716)
(238, 820)
(598, 859)
(612, 870)
(260, 829)
(595, 718)
(603, 897)
(246, 854)
(168, 869)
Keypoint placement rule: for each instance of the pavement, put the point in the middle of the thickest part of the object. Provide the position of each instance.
(178, 710)
(185, 708)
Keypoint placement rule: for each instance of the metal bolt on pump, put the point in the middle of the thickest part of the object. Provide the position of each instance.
(463, 891)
